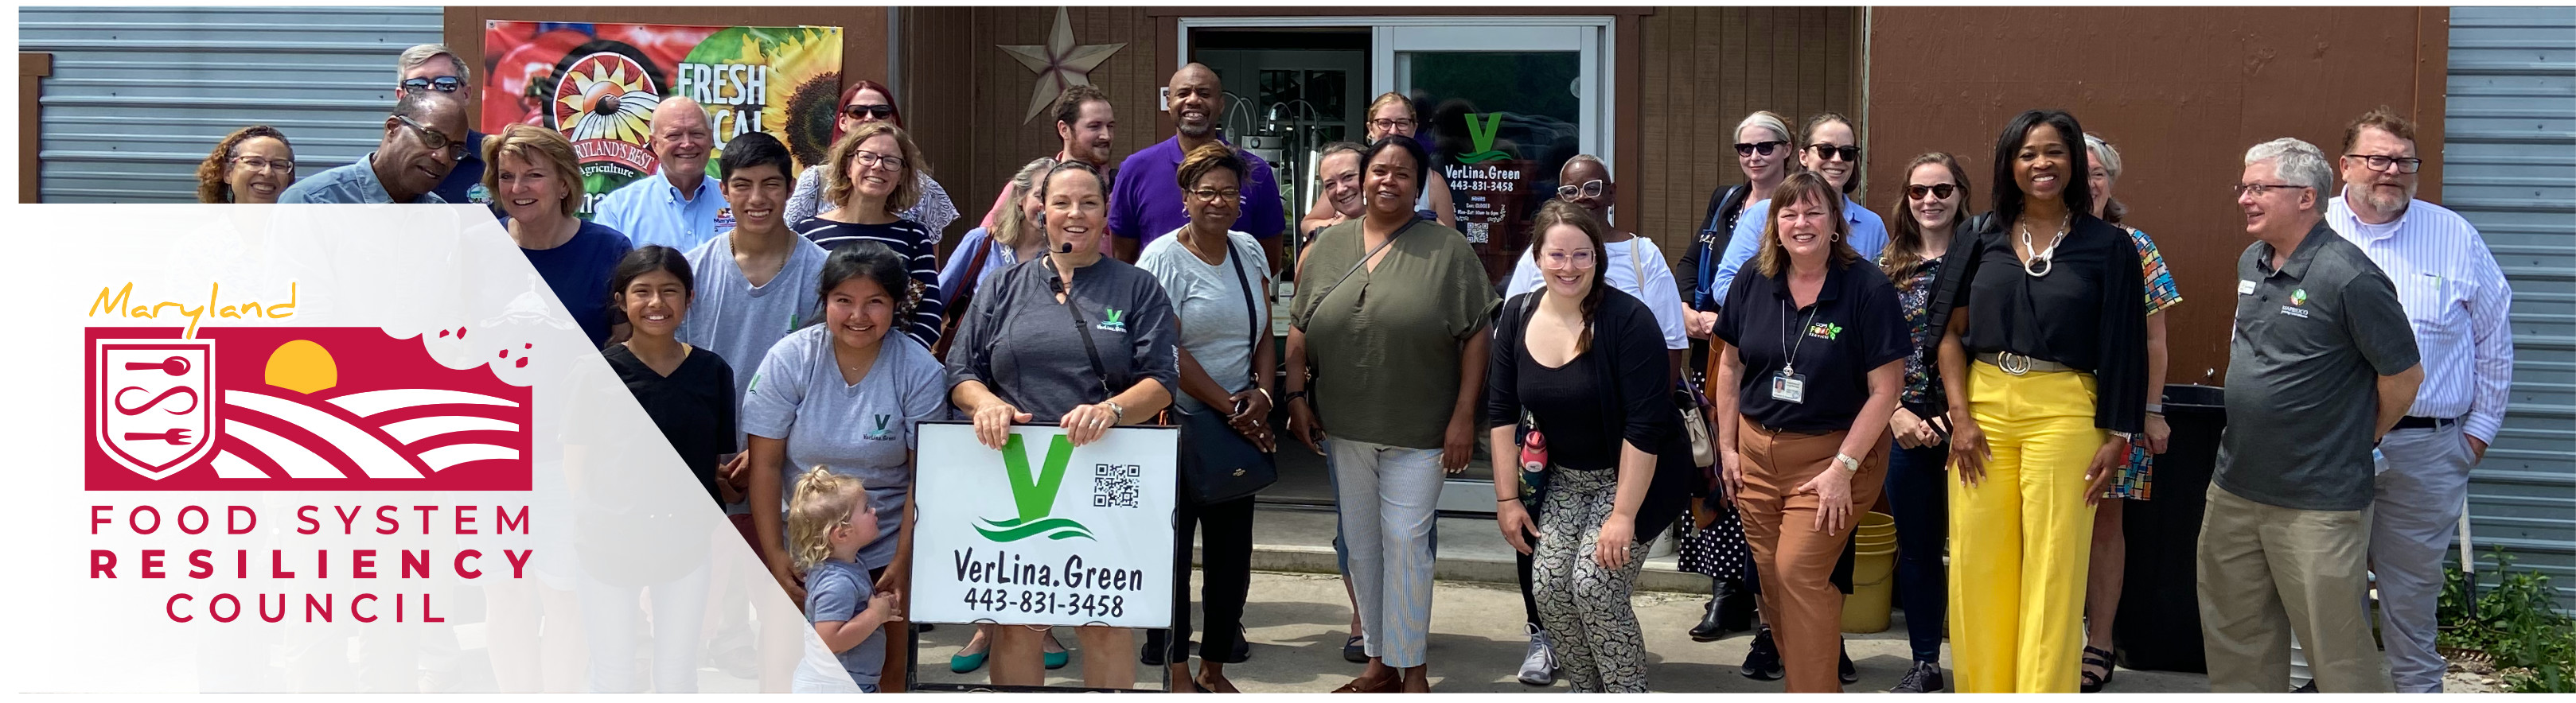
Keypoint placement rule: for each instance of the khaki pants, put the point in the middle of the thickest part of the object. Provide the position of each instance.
(2266, 571)
(1795, 562)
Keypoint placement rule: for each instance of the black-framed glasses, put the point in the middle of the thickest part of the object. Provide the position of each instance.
(433, 140)
(2258, 189)
(862, 112)
(1213, 196)
(256, 163)
(1766, 147)
(2404, 164)
(443, 84)
(870, 159)
(1589, 189)
(1938, 190)
(1826, 152)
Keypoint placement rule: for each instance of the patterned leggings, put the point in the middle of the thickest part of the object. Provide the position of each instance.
(1584, 607)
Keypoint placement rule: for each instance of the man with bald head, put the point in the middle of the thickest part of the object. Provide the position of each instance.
(422, 140)
(1147, 203)
(684, 207)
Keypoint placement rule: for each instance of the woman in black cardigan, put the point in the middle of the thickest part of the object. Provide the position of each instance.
(1588, 363)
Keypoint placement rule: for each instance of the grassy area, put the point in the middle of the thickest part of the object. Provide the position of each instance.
(2515, 623)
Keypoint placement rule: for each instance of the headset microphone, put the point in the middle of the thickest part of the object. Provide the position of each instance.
(1064, 248)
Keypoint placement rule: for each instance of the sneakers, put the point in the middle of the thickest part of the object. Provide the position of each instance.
(1925, 677)
(1538, 668)
(1763, 663)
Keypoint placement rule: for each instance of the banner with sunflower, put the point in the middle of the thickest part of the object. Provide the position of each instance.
(598, 84)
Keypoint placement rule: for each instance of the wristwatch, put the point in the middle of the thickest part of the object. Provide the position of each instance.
(1117, 413)
(1850, 466)
(1293, 396)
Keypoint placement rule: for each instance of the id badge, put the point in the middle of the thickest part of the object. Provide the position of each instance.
(1788, 388)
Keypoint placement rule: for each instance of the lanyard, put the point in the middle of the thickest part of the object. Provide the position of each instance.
(1790, 367)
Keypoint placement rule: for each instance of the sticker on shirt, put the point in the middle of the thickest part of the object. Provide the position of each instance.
(1825, 330)
(479, 195)
(1116, 320)
(880, 434)
(2244, 287)
(724, 219)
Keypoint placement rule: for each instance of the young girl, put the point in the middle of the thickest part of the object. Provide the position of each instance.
(828, 522)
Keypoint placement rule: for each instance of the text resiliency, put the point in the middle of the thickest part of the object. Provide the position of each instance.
(266, 564)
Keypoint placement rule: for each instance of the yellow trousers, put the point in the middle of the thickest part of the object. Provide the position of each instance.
(2020, 537)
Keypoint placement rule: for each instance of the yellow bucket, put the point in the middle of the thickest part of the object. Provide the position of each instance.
(1873, 585)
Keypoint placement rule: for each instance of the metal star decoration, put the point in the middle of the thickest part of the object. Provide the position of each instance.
(1060, 64)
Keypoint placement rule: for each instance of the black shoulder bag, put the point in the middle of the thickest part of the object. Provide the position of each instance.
(1220, 464)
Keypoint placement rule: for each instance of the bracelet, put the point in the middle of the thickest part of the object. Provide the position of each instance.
(1296, 395)
(1500, 501)
(1265, 395)
(2155, 408)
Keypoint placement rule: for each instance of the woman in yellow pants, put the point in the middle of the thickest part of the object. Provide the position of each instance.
(2043, 361)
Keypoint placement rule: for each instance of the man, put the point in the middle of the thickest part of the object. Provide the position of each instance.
(432, 67)
(1148, 205)
(2457, 303)
(2320, 367)
(1086, 124)
(684, 207)
(422, 141)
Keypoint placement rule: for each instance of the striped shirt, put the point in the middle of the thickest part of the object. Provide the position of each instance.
(2456, 300)
(908, 239)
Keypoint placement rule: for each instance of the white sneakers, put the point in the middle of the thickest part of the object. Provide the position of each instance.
(1539, 667)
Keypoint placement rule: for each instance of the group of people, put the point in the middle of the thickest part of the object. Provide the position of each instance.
(2000, 387)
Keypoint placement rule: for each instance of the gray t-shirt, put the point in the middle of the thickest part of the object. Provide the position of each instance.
(2311, 341)
(740, 322)
(837, 591)
(1214, 323)
(863, 431)
(1024, 346)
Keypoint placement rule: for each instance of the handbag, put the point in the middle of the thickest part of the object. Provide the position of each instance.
(1718, 548)
(1695, 423)
(1221, 464)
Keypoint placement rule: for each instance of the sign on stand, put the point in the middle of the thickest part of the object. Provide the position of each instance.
(1043, 532)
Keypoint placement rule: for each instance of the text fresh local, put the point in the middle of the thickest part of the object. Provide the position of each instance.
(1008, 568)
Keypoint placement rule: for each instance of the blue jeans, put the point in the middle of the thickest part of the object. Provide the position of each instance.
(1918, 494)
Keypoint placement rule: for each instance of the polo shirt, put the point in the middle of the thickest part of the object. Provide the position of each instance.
(1868, 235)
(354, 184)
(2312, 339)
(464, 184)
(652, 211)
(1148, 204)
(1853, 326)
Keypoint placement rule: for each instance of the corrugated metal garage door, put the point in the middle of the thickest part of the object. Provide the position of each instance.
(139, 95)
(2509, 166)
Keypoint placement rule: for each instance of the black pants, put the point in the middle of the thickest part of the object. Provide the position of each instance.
(1226, 574)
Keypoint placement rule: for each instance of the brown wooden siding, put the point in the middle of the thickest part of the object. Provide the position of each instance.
(1703, 69)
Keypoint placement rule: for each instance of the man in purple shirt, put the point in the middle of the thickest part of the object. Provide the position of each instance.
(1147, 202)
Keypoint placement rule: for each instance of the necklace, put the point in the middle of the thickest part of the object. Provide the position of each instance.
(2039, 263)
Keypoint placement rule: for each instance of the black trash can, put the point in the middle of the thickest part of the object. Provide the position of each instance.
(2158, 626)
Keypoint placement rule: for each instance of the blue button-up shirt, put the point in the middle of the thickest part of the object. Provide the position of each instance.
(464, 184)
(354, 184)
(1868, 235)
(652, 211)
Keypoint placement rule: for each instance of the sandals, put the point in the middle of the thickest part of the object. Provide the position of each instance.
(2093, 657)
(1392, 684)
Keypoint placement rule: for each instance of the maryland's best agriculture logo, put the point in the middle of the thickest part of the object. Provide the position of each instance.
(295, 408)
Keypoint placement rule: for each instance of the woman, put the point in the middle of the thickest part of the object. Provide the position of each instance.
(983, 254)
(1214, 277)
(1391, 115)
(1762, 153)
(1337, 188)
(536, 179)
(866, 102)
(1391, 325)
(804, 405)
(871, 183)
(1024, 365)
(1809, 361)
(1587, 361)
(1927, 216)
(1828, 147)
(251, 165)
(2110, 543)
(688, 393)
(2044, 342)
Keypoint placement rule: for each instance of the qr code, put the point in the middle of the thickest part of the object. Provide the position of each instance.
(1478, 232)
(1114, 486)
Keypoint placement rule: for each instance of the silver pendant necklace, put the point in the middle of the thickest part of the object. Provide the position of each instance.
(2039, 263)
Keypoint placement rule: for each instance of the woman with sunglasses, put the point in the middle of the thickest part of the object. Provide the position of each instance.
(250, 166)
(866, 101)
(1391, 114)
(1927, 216)
(2135, 478)
(2043, 345)
(1830, 147)
(872, 181)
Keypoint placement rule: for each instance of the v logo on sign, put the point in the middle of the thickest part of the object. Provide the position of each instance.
(1482, 137)
(1034, 494)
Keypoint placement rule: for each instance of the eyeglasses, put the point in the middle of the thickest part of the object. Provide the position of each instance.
(2258, 189)
(870, 159)
(1938, 190)
(263, 164)
(2404, 164)
(1589, 189)
(1389, 125)
(443, 84)
(433, 140)
(1766, 147)
(863, 112)
(1850, 154)
(1581, 258)
(1213, 196)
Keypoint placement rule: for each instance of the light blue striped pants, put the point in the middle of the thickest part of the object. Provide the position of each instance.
(1387, 498)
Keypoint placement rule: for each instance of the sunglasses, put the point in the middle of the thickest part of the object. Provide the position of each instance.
(1747, 148)
(443, 84)
(861, 112)
(1938, 190)
(1826, 152)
